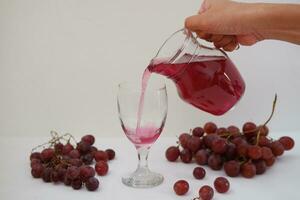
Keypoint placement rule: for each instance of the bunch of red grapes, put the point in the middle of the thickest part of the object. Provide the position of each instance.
(247, 153)
(71, 164)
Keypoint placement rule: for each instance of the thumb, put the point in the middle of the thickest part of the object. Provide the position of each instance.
(196, 23)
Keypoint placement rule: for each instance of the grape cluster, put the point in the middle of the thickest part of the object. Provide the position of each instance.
(70, 164)
(248, 152)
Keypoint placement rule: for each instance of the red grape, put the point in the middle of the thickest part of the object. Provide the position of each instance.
(210, 127)
(215, 161)
(248, 170)
(86, 172)
(194, 144)
(87, 158)
(172, 153)
(198, 132)
(94, 150)
(277, 148)
(186, 156)
(101, 168)
(76, 184)
(199, 173)
(67, 149)
(181, 187)
(264, 130)
(37, 170)
(206, 192)
(201, 157)
(249, 129)
(238, 141)
(242, 149)
(34, 162)
(92, 184)
(47, 175)
(183, 139)
(231, 152)
(287, 142)
(110, 153)
(264, 141)
(266, 153)
(221, 184)
(74, 153)
(219, 146)
(260, 166)
(47, 154)
(89, 139)
(254, 152)
(67, 181)
(233, 130)
(54, 176)
(208, 139)
(83, 147)
(35, 155)
(75, 162)
(232, 168)
(221, 131)
(73, 173)
(61, 173)
(101, 156)
(270, 161)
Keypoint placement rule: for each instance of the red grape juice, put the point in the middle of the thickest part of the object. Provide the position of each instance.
(143, 136)
(210, 83)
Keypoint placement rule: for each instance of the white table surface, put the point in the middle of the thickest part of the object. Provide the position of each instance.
(279, 182)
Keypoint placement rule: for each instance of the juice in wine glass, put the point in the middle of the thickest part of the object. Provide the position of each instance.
(143, 136)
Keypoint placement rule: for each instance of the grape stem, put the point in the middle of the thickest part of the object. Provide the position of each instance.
(268, 120)
(228, 135)
(177, 142)
(55, 139)
(242, 160)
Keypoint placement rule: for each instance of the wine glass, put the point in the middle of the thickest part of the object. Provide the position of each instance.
(142, 119)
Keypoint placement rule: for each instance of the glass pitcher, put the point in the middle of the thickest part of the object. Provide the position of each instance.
(205, 77)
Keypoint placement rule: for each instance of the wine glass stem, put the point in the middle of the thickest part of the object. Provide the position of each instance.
(143, 157)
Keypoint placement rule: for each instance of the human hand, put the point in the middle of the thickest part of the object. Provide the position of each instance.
(225, 23)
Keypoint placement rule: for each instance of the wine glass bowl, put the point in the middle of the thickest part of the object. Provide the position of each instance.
(142, 120)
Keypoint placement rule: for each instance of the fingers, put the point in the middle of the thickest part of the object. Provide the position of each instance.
(196, 23)
(209, 37)
(247, 40)
(231, 46)
(203, 35)
(224, 41)
(216, 38)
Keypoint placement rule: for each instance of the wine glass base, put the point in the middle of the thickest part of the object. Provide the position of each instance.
(143, 179)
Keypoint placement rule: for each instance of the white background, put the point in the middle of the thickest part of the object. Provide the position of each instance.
(61, 61)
